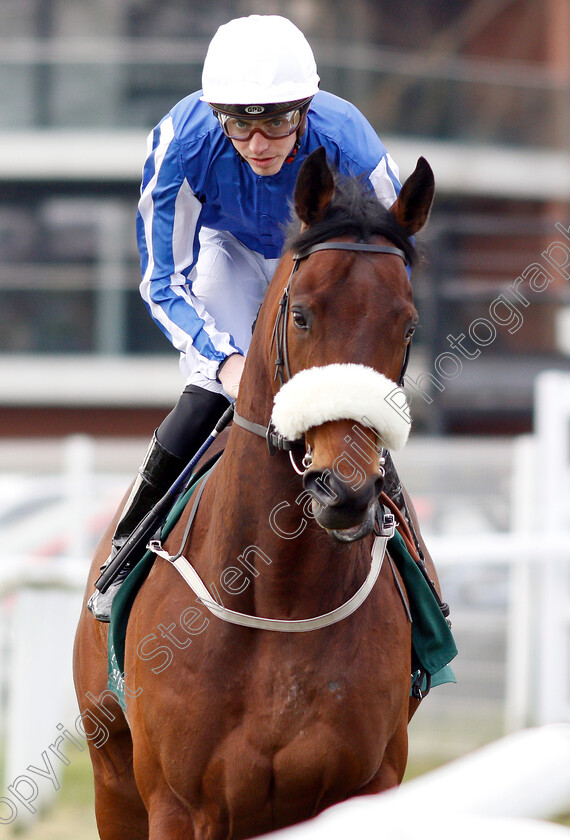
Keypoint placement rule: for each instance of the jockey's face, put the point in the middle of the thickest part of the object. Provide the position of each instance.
(265, 156)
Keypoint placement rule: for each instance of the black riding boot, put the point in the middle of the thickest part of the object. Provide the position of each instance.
(156, 474)
(177, 439)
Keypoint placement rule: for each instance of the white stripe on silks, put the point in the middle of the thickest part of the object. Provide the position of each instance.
(382, 183)
(393, 166)
(180, 339)
(146, 210)
(187, 211)
(146, 203)
(342, 392)
(219, 339)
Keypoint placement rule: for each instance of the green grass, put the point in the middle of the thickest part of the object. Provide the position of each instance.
(72, 815)
(77, 783)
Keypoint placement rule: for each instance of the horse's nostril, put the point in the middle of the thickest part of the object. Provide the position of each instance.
(337, 505)
(332, 492)
(325, 487)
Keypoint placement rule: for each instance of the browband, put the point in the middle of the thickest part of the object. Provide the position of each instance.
(351, 246)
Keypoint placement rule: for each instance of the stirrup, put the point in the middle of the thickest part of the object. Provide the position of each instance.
(100, 603)
(157, 472)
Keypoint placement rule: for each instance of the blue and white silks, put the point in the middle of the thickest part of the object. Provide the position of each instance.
(210, 231)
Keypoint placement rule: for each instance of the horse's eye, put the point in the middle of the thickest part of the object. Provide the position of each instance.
(410, 331)
(299, 319)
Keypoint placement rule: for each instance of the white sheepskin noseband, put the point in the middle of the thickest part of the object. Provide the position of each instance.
(343, 392)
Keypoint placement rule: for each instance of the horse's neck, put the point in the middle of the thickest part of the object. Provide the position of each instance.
(261, 515)
(262, 526)
(260, 481)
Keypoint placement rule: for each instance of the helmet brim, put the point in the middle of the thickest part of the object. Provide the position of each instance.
(260, 111)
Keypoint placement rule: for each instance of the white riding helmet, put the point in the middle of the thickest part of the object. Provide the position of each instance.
(261, 59)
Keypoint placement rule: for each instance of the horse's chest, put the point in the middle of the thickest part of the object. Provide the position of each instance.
(268, 788)
(309, 728)
(299, 747)
(275, 729)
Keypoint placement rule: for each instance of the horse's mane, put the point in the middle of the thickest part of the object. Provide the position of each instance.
(354, 210)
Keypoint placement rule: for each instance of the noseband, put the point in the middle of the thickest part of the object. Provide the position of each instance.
(279, 336)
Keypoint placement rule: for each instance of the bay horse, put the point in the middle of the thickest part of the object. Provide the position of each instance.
(231, 731)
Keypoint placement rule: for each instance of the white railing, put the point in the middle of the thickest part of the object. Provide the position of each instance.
(536, 651)
(39, 609)
(40, 600)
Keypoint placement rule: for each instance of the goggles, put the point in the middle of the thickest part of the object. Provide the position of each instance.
(272, 128)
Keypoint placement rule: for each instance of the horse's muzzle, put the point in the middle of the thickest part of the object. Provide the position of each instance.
(346, 513)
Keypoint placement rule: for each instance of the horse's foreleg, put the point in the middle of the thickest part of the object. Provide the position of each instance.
(170, 820)
(119, 809)
(393, 765)
(170, 825)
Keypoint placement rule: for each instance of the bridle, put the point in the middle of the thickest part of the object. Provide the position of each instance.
(279, 335)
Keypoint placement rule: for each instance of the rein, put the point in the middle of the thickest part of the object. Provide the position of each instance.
(274, 440)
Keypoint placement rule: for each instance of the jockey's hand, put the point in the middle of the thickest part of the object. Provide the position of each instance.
(230, 372)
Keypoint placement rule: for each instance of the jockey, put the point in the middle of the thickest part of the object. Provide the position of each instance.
(216, 191)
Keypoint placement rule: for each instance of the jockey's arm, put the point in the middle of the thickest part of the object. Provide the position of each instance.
(168, 222)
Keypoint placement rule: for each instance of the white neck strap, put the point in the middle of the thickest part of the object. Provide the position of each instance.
(190, 575)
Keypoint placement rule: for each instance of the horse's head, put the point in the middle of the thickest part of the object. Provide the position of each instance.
(341, 337)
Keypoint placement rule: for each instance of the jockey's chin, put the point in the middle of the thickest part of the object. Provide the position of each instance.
(266, 157)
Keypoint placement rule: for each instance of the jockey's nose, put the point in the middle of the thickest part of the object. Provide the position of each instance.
(258, 143)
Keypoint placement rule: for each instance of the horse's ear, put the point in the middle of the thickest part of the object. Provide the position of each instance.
(314, 188)
(413, 204)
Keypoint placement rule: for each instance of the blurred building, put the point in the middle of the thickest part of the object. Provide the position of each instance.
(479, 87)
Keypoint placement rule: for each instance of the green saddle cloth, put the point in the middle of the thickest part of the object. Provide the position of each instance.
(125, 597)
(433, 646)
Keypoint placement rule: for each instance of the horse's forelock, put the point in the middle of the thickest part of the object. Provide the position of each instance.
(354, 210)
